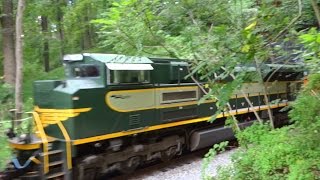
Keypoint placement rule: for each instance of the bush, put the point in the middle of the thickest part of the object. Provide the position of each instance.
(6, 100)
(291, 152)
(6, 103)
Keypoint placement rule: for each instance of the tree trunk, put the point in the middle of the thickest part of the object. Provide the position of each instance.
(19, 58)
(7, 23)
(45, 53)
(316, 10)
(86, 36)
(59, 15)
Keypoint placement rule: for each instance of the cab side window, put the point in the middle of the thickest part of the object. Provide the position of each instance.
(129, 76)
(86, 71)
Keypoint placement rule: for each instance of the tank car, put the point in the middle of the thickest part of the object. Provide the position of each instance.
(116, 112)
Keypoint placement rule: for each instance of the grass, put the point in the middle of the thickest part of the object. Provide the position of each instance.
(5, 153)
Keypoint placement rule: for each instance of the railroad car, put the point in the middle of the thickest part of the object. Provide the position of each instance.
(115, 112)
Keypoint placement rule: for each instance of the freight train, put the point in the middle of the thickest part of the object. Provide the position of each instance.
(115, 112)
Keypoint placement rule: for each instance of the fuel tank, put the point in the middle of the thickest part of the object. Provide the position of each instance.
(208, 137)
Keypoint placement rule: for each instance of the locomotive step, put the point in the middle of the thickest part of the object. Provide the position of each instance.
(55, 163)
(51, 152)
(31, 175)
(55, 175)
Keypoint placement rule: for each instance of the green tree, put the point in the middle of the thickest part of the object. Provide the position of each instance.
(80, 34)
(291, 152)
(7, 24)
(214, 44)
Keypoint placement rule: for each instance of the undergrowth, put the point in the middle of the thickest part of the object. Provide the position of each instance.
(291, 152)
(6, 103)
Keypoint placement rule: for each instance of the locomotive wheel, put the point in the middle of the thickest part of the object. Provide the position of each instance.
(31, 176)
(9, 174)
(87, 174)
(130, 164)
(90, 174)
(4, 176)
(168, 154)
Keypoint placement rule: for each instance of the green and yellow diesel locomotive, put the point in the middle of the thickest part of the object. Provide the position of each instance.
(116, 112)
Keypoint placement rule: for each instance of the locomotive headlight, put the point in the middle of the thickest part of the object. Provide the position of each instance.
(23, 136)
(97, 145)
(75, 98)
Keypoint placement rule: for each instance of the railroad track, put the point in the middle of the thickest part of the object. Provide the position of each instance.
(181, 164)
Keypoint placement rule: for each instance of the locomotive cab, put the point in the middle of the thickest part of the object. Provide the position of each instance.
(108, 70)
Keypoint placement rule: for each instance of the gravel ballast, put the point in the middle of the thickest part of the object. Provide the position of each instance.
(186, 169)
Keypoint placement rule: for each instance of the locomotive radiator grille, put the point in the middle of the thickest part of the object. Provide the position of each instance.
(134, 119)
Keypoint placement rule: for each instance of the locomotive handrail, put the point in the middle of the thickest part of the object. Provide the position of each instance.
(15, 120)
(44, 140)
(176, 84)
(68, 144)
(18, 127)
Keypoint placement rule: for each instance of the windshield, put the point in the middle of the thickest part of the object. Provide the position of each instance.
(85, 71)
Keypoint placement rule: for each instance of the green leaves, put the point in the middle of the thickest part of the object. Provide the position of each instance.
(311, 54)
(177, 29)
(210, 156)
(6, 103)
(284, 153)
(313, 36)
(290, 152)
(245, 48)
(251, 26)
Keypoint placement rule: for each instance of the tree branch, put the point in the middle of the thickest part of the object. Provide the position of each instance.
(129, 40)
(233, 117)
(291, 23)
(248, 100)
(315, 94)
(266, 99)
(316, 11)
(147, 23)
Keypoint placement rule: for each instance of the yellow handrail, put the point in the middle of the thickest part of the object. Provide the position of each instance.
(44, 139)
(68, 144)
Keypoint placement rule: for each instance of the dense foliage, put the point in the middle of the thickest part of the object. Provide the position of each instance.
(215, 39)
(6, 96)
(291, 152)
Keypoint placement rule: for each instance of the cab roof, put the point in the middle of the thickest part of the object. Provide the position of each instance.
(107, 58)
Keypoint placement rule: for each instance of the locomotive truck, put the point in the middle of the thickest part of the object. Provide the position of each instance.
(115, 112)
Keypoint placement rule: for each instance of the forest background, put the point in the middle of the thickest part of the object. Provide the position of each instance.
(211, 34)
